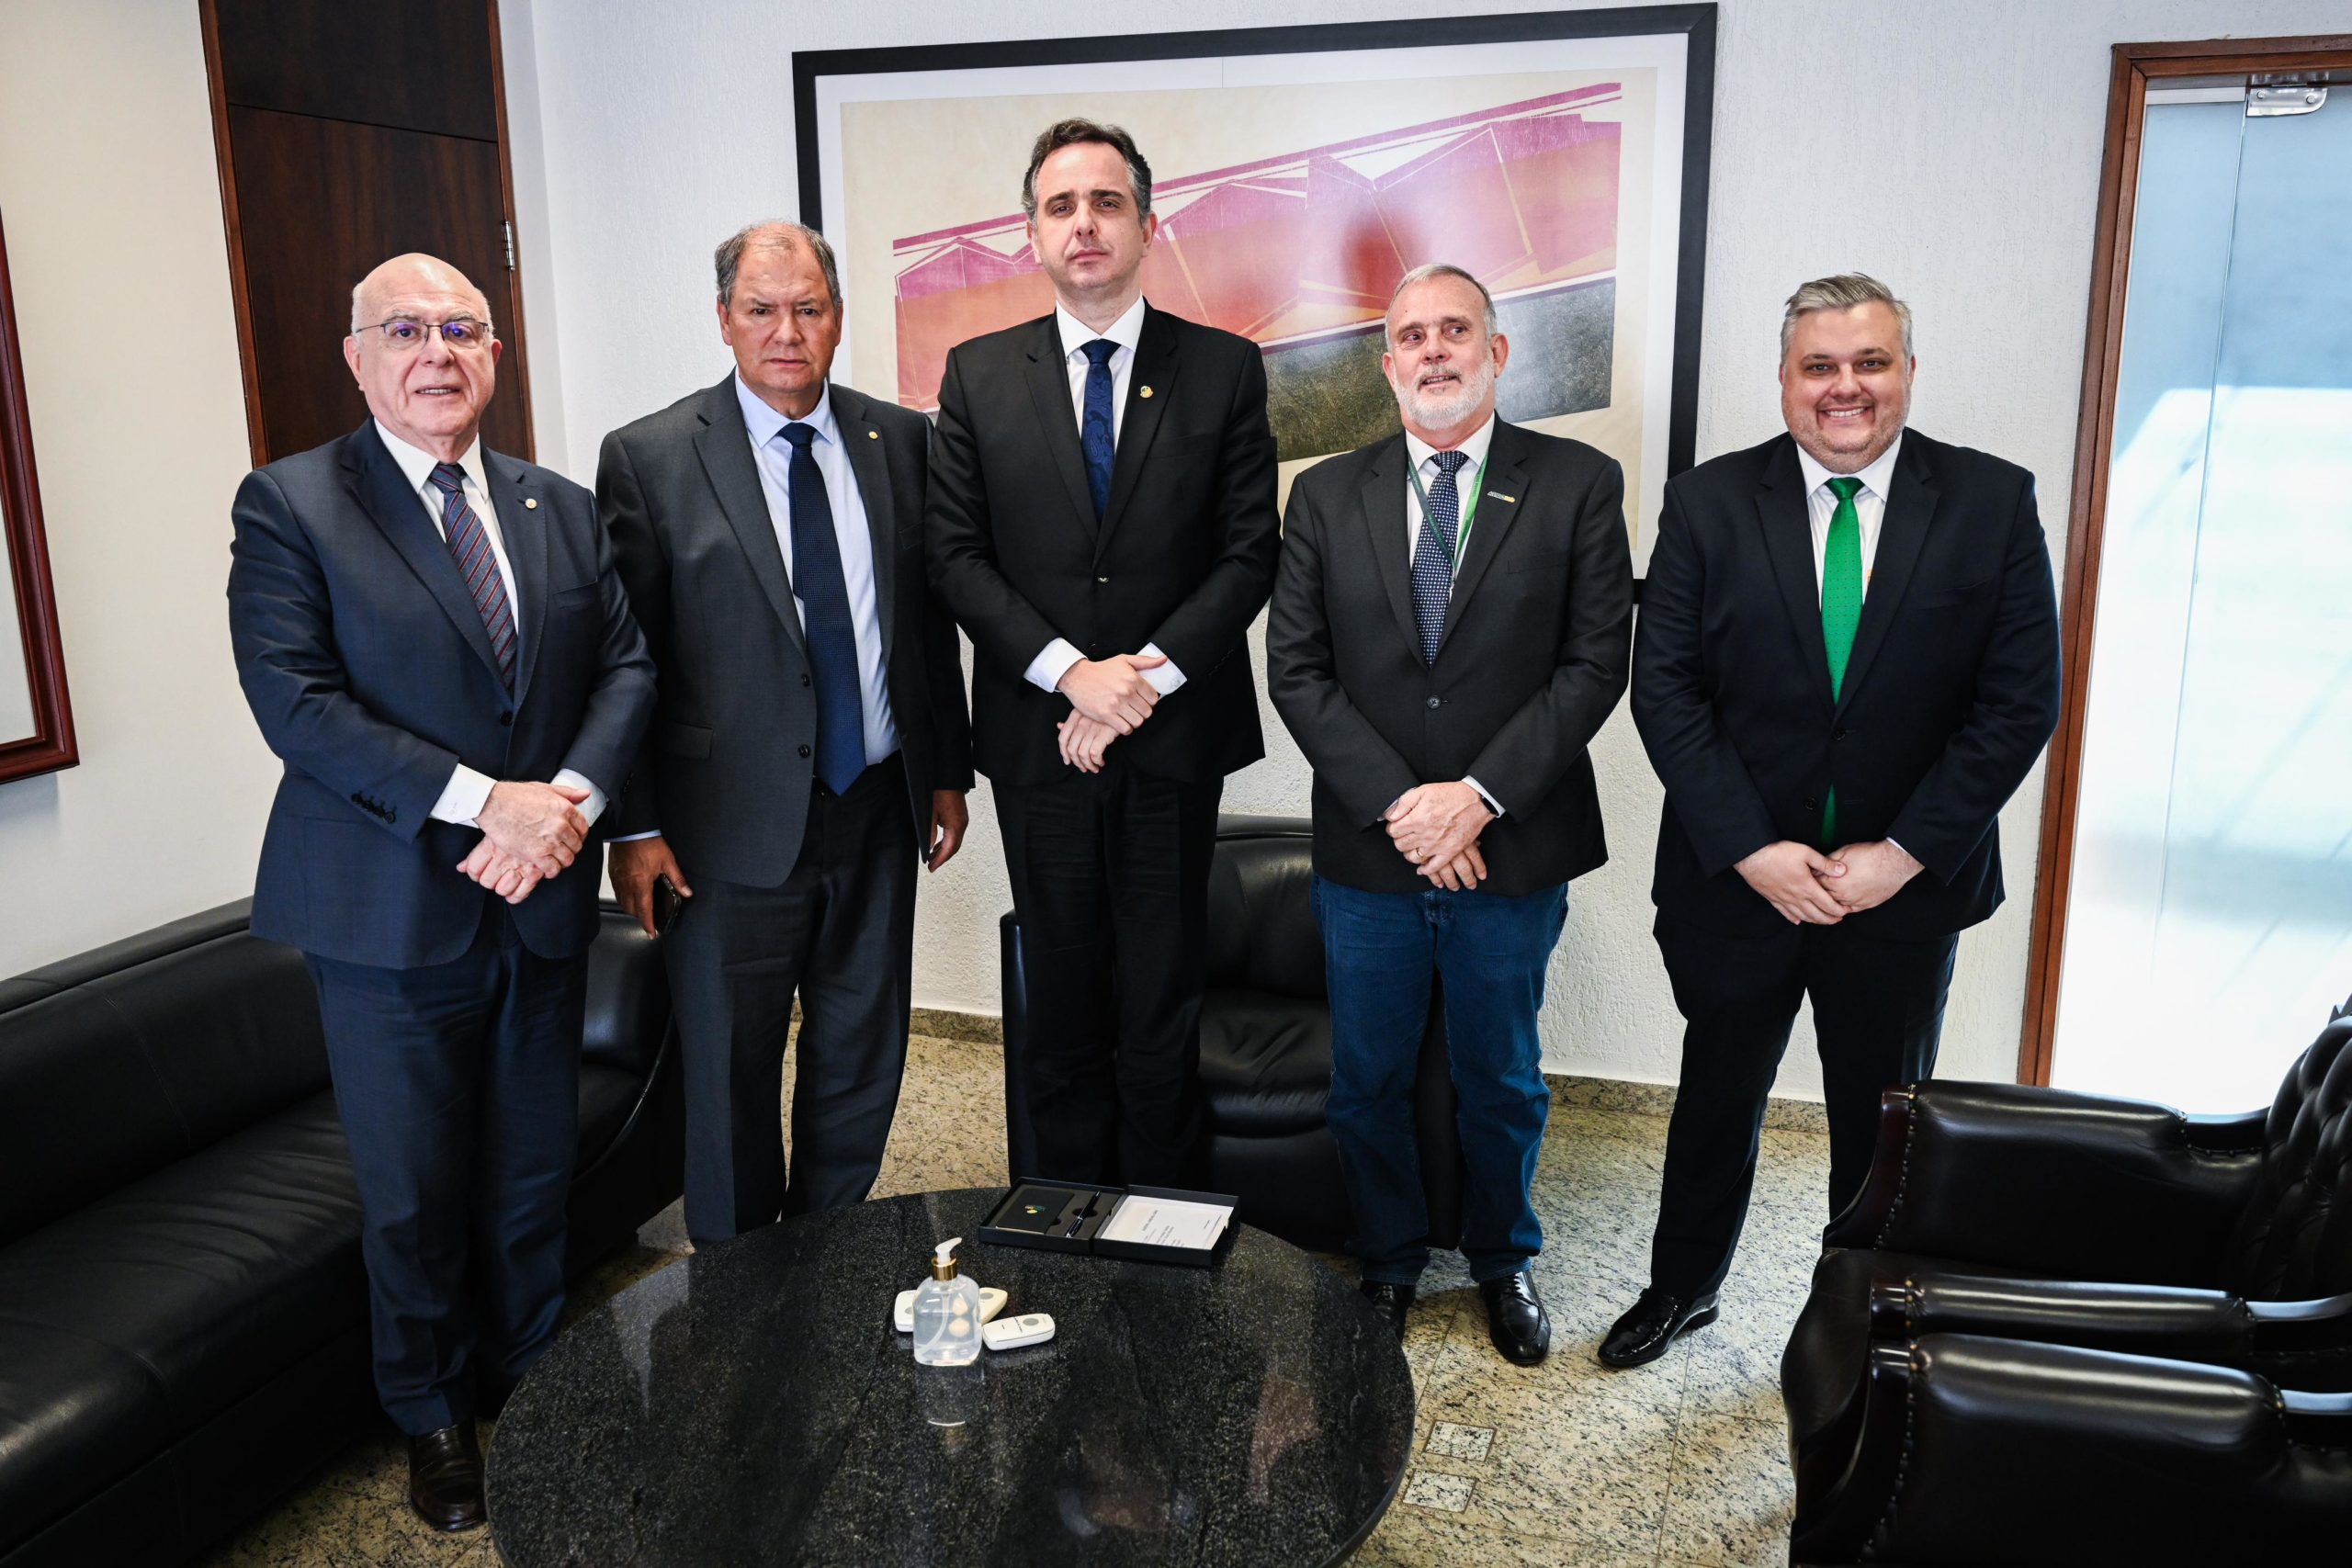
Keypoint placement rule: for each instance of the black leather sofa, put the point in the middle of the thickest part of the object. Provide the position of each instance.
(2063, 1328)
(1266, 1050)
(183, 1311)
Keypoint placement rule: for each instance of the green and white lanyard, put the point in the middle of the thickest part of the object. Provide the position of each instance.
(1469, 512)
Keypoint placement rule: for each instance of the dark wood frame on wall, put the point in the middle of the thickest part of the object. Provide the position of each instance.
(24, 546)
(2135, 67)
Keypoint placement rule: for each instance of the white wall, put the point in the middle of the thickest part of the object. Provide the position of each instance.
(111, 201)
(1951, 148)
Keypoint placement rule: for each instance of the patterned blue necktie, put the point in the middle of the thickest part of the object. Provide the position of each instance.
(823, 592)
(1094, 430)
(1433, 554)
(468, 542)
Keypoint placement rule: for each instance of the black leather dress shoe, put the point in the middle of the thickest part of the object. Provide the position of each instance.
(445, 1479)
(1516, 1320)
(1392, 1301)
(1652, 1324)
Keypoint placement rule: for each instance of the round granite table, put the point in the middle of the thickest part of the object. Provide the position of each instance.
(753, 1405)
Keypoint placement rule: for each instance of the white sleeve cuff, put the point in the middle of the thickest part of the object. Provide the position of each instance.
(1045, 671)
(1164, 678)
(1492, 803)
(463, 798)
(592, 807)
(632, 837)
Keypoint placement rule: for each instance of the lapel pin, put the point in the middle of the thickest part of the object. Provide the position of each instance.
(1144, 392)
(1500, 496)
(874, 436)
(530, 504)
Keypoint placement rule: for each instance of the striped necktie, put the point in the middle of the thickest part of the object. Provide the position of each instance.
(468, 542)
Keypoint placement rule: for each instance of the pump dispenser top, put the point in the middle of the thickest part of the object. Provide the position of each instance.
(943, 1261)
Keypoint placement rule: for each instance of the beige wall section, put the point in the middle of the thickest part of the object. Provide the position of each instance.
(111, 199)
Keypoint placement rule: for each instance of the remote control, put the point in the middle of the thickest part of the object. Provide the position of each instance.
(903, 1311)
(1011, 1332)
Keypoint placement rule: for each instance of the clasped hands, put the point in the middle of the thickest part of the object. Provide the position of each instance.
(1436, 827)
(1108, 698)
(1811, 888)
(529, 832)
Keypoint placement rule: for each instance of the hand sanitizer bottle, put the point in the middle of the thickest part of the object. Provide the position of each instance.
(947, 1312)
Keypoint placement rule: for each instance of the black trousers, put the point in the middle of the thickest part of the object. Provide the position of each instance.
(839, 930)
(459, 1088)
(1110, 882)
(1878, 1010)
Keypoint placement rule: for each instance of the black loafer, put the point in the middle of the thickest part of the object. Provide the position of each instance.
(1392, 1301)
(1516, 1320)
(1653, 1323)
(445, 1479)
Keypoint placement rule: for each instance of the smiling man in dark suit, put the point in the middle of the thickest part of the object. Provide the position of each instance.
(1103, 523)
(1449, 630)
(1846, 661)
(433, 639)
(810, 748)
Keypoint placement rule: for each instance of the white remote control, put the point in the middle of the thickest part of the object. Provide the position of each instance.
(1011, 1332)
(903, 1311)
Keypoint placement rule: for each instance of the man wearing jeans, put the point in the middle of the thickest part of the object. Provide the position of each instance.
(1449, 626)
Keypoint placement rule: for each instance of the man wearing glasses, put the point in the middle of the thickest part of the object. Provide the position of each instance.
(433, 640)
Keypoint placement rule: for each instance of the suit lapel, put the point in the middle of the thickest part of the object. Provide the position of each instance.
(869, 461)
(1381, 513)
(1050, 389)
(1503, 489)
(526, 531)
(398, 512)
(724, 444)
(1150, 388)
(1788, 544)
(1901, 534)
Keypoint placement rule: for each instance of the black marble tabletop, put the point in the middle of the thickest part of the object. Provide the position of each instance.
(753, 1405)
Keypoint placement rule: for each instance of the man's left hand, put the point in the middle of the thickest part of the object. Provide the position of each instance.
(1432, 823)
(949, 818)
(512, 877)
(1875, 872)
(1083, 740)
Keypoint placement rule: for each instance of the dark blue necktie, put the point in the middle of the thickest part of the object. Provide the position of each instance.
(1094, 430)
(1433, 554)
(823, 592)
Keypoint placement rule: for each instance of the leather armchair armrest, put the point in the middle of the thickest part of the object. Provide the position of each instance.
(2072, 1185)
(2173, 1322)
(1970, 1451)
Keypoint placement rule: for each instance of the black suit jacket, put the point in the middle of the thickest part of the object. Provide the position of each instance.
(1950, 692)
(1532, 662)
(1183, 556)
(726, 770)
(365, 664)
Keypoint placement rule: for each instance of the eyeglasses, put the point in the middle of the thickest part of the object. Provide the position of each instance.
(406, 334)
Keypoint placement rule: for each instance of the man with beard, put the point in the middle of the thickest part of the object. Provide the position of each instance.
(1450, 623)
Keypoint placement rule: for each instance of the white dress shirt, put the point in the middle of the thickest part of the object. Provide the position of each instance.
(1424, 457)
(1870, 507)
(468, 791)
(1054, 661)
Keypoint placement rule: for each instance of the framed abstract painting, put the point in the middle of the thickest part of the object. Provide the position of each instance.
(1298, 172)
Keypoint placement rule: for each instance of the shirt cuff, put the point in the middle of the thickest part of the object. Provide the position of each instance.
(1164, 678)
(463, 798)
(632, 837)
(1492, 803)
(1045, 671)
(592, 807)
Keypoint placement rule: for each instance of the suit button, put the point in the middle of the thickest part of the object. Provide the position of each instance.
(1101, 580)
(505, 718)
(804, 750)
(1811, 803)
(1837, 735)
(1434, 701)
(804, 679)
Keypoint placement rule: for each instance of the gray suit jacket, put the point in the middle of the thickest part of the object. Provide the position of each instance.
(726, 770)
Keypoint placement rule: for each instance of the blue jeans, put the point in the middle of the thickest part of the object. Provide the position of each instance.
(1381, 952)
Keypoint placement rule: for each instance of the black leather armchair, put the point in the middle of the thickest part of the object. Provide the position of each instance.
(182, 1310)
(2098, 1239)
(1266, 1050)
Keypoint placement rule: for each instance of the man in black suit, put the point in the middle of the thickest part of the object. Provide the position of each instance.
(1450, 628)
(1103, 523)
(811, 745)
(433, 639)
(1846, 661)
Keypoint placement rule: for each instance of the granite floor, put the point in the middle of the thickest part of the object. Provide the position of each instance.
(1681, 1464)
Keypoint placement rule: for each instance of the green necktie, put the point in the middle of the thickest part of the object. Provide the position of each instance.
(1841, 611)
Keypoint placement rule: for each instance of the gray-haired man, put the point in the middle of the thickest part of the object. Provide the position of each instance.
(810, 744)
(1846, 661)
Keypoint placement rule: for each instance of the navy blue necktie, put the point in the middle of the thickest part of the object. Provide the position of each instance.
(823, 592)
(1094, 430)
(1433, 554)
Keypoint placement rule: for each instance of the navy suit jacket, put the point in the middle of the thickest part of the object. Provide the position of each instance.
(367, 667)
(1950, 692)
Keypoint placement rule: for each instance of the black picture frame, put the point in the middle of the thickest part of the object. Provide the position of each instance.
(50, 744)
